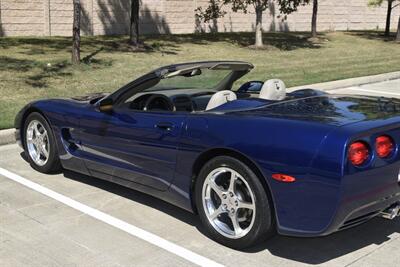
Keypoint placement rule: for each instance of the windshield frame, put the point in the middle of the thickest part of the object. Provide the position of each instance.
(239, 68)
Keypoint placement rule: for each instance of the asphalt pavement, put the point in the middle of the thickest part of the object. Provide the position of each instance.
(69, 219)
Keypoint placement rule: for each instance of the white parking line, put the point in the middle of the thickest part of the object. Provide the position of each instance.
(117, 223)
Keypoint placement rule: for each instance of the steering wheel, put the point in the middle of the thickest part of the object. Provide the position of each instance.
(159, 102)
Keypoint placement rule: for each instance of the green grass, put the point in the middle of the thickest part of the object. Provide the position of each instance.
(109, 62)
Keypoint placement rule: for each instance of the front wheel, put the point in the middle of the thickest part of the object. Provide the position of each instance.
(232, 203)
(39, 144)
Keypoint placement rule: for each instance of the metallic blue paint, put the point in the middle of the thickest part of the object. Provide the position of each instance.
(305, 137)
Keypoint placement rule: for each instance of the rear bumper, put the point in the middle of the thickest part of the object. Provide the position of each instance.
(355, 210)
(349, 215)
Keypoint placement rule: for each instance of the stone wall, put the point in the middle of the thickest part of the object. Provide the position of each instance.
(104, 17)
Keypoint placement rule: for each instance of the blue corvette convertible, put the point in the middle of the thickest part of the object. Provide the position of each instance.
(251, 160)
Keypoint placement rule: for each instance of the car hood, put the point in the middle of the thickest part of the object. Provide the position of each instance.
(332, 109)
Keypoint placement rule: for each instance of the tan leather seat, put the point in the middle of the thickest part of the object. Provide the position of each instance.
(220, 98)
(273, 89)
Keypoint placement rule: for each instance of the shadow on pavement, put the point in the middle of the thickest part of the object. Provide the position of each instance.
(305, 250)
(322, 249)
(136, 196)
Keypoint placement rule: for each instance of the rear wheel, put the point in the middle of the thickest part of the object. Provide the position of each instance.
(39, 144)
(232, 203)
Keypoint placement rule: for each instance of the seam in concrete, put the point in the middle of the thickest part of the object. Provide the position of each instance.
(371, 252)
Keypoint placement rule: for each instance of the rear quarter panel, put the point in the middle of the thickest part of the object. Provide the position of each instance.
(275, 146)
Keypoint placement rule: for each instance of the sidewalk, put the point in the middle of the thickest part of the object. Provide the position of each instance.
(7, 136)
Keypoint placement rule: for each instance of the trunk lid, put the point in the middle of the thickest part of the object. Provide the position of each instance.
(333, 109)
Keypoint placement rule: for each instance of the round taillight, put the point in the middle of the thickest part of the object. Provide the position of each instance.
(358, 153)
(384, 146)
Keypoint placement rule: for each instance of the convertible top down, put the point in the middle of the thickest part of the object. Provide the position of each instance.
(249, 158)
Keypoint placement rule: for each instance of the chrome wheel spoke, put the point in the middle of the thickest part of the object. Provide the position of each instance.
(216, 213)
(37, 156)
(29, 138)
(44, 151)
(235, 223)
(44, 134)
(246, 205)
(216, 188)
(36, 129)
(232, 182)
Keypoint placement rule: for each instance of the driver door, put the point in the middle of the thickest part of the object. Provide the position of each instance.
(137, 146)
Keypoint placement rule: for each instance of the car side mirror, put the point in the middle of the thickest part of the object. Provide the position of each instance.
(106, 105)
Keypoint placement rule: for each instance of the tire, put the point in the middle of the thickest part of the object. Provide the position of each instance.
(47, 162)
(254, 224)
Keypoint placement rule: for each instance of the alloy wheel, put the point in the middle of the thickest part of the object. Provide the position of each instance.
(37, 142)
(228, 202)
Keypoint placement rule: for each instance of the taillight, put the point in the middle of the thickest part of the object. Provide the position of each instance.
(358, 153)
(384, 146)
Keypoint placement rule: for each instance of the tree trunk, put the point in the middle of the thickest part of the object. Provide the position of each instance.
(314, 19)
(76, 33)
(134, 26)
(259, 34)
(388, 15)
(398, 31)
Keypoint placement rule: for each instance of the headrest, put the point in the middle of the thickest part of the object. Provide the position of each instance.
(220, 98)
(273, 89)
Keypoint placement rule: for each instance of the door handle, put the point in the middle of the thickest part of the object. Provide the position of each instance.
(164, 126)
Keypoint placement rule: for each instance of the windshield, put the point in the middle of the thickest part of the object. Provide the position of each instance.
(201, 79)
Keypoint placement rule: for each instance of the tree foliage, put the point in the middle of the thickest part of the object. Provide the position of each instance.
(215, 10)
(290, 6)
(375, 3)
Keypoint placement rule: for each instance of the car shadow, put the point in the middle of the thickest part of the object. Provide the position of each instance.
(316, 250)
(136, 196)
(306, 250)
(319, 250)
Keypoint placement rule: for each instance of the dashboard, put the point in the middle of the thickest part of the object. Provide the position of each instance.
(170, 100)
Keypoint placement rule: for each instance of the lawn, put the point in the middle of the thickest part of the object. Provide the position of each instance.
(34, 68)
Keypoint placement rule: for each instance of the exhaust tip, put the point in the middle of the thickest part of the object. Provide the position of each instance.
(392, 212)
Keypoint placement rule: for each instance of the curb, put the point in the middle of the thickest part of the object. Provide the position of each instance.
(327, 86)
(7, 136)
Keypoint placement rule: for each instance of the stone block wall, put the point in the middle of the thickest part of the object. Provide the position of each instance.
(107, 17)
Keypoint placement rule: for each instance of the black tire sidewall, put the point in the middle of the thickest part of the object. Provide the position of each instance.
(53, 163)
(263, 226)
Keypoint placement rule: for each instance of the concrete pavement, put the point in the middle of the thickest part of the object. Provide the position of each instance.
(357, 81)
(387, 89)
(37, 230)
(7, 136)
